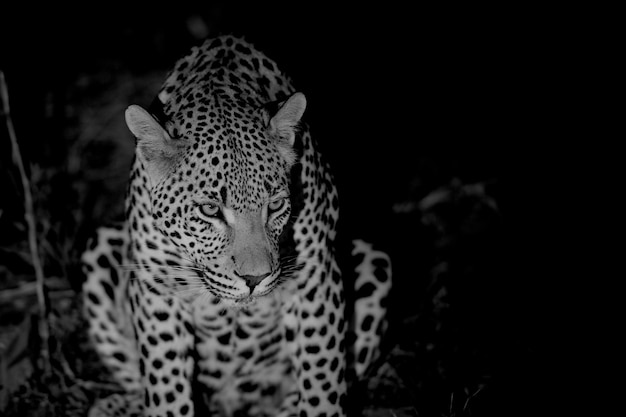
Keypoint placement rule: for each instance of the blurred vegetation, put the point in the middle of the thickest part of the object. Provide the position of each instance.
(414, 121)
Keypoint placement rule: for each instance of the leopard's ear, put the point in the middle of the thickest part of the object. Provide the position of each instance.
(158, 152)
(284, 124)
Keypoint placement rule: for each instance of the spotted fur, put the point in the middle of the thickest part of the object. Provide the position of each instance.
(224, 274)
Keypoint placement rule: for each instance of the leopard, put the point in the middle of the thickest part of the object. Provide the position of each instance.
(221, 293)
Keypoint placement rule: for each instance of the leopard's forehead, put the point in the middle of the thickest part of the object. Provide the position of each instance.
(230, 157)
(214, 99)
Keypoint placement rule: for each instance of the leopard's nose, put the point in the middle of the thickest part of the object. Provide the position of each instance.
(254, 280)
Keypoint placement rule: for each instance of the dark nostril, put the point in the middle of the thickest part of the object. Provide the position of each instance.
(253, 280)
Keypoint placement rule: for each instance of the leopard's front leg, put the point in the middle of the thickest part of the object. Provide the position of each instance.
(315, 332)
(165, 342)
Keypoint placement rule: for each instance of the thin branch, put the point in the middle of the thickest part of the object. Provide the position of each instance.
(98, 385)
(29, 216)
(29, 288)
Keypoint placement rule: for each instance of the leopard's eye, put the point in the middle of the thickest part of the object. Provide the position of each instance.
(276, 205)
(209, 210)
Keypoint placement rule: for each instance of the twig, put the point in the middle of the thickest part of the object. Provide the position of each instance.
(465, 406)
(29, 216)
(95, 385)
(452, 404)
(29, 288)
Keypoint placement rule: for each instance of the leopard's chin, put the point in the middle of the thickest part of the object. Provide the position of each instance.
(246, 301)
(239, 303)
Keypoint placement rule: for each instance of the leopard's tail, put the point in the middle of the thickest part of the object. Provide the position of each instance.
(106, 306)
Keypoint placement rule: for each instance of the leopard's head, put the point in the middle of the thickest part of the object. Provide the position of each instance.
(219, 183)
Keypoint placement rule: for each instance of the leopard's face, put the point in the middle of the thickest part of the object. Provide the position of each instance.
(227, 202)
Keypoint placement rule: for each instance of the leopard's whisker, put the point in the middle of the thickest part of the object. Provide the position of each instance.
(174, 276)
(152, 267)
